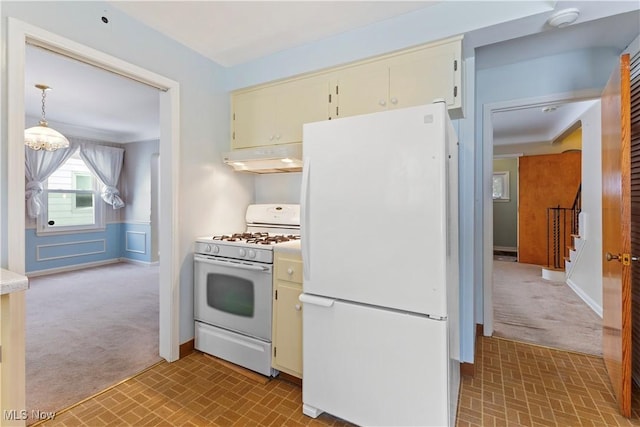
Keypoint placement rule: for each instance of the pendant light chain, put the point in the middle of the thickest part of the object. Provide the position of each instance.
(44, 95)
(41, 136)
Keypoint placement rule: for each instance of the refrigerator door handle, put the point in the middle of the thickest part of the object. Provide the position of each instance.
(304, 218)
(314, 300)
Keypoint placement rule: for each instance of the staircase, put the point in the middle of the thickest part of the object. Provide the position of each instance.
(564, 239)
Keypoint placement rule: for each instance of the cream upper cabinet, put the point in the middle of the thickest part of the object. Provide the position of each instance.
(401, 80)
(275, 114)
(287, 314)
(420, 77)
(360, 89)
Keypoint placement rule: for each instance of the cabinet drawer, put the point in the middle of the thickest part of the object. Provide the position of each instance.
(289, 269)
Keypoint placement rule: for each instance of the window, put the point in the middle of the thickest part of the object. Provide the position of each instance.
(501, 186)
(71, 199)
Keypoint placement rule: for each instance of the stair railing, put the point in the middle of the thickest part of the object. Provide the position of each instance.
(562, 224)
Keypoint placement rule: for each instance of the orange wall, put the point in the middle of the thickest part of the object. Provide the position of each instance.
(545, 181)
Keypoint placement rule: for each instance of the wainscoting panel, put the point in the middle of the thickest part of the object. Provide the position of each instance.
(136, 241)
(70, 249)
(58, 251)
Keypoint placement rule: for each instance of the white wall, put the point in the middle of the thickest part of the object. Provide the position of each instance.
(135, 185)
(211, 196)
(278, 188)
(586, 276)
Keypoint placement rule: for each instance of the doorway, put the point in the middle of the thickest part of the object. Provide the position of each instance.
(113, 332)
(19, 34)
(525, 275)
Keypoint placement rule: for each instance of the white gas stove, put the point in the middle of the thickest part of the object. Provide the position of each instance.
(233, 287)
(267, 226)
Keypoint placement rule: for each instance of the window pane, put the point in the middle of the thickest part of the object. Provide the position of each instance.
(64, 210)
(70, 195)
(72, 175)
(84, 201)
(83, 181)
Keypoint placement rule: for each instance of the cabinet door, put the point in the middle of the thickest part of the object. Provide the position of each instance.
(299, 102)
(288, 330)
(253, 118)
(362, 89)
(420, 77)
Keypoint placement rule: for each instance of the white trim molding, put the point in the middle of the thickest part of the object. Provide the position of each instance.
(80, 242)
(486, 206)
(144, 242)
(19, 34)
(74, 267)
(586, 298)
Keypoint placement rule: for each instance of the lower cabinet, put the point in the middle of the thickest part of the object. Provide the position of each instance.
(287, 313)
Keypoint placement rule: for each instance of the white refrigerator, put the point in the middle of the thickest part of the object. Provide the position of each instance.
(379, 233)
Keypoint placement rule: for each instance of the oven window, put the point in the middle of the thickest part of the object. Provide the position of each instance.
(230, 294)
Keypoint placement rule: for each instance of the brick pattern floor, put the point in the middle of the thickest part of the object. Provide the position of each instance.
(516, 384)
(194, 391)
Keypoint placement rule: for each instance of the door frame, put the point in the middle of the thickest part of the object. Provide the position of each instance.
(487, 174)
(19, 34)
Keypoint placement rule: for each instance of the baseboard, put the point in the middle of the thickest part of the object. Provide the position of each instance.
(586, 298)
(467, 369)
(187, 348)
(505, 248)
(74, 267)
(290, 378)
(135, 261)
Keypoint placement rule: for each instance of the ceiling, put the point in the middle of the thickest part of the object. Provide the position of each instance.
(536, 124)
(116, 109)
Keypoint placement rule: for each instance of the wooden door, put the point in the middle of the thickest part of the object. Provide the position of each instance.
(616, 233)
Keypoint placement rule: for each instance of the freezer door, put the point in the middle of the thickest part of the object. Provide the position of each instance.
(374, 209)
(374, 367)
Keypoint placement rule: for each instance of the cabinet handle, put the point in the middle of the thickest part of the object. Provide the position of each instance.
(278, 136)
(394, 101)
(298, 307)
(382, 102)
(271, 138)
(290, 271)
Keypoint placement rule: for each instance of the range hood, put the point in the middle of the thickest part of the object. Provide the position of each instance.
(268, 159)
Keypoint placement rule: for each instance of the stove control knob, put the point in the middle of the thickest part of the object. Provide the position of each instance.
(216, 249)
(242, 252)
(252, 253)
(207, 248)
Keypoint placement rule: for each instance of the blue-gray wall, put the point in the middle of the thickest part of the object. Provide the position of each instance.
(128, 231)
(505, 213)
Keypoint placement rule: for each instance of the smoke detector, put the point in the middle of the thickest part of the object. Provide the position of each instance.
(563, 17)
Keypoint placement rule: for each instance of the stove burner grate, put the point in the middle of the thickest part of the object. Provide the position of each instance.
(261, 238)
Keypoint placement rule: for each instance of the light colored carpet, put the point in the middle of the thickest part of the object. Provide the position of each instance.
(87, 330)
(531, 309)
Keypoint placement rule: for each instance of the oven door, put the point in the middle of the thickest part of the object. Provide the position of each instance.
(234, 295)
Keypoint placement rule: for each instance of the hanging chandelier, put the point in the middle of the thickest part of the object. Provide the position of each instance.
(41, 136)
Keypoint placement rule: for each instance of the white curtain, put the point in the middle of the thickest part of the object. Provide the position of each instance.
(105, 163)
(39, 165)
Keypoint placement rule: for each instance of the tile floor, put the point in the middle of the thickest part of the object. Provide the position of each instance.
(516, 384)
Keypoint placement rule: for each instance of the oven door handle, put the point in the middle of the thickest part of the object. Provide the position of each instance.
(231, 264)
